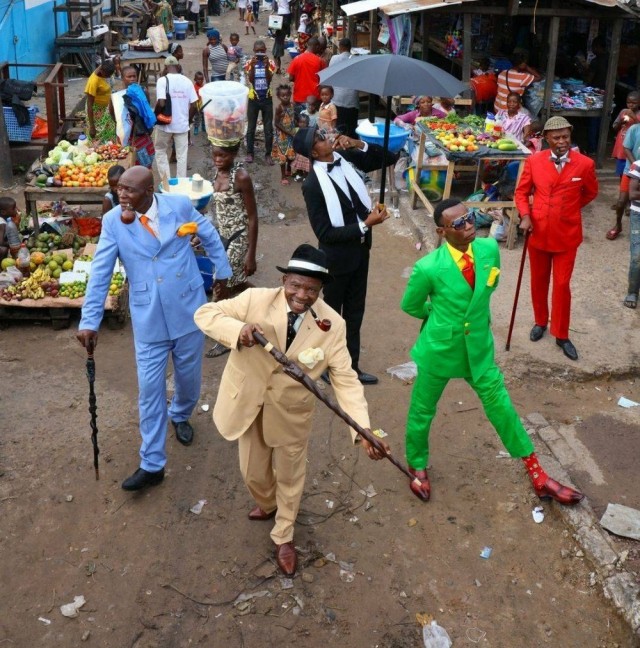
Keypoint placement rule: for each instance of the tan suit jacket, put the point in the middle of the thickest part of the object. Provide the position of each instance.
(252, 379)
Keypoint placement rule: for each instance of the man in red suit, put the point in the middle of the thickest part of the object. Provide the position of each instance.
(562, 181)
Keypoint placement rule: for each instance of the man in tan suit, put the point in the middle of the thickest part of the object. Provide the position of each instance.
(268, 412)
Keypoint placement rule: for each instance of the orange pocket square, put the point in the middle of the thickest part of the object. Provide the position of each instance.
(187, 229)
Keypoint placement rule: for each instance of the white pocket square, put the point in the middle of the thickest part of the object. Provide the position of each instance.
(576, 179)
(311, 356)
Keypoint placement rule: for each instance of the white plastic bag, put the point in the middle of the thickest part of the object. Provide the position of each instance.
(158, 38)
(435, 636)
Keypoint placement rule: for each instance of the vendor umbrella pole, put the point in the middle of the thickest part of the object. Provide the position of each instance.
(91, 376)
(517, 295)
(294, 370)
(385, 147)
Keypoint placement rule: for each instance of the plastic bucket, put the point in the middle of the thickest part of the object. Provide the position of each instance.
(181, 27)
(224, 104)
(206, 270)
(397, 136)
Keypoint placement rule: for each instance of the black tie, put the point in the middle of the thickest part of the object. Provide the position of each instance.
(331, 167)
(291, 331)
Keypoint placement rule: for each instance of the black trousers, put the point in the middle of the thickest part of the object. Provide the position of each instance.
(347, 294)
(347, 121)
(254, 108)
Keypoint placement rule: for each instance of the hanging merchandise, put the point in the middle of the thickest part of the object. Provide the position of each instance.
(453, 44)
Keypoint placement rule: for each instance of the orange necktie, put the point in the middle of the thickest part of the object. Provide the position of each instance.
(468, 272)
(144, 219)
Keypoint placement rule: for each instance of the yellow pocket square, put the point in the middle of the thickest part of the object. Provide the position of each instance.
(187, 229)
(493, 275)
(311, 356)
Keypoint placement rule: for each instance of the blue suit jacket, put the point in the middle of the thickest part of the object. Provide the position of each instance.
(165, 284)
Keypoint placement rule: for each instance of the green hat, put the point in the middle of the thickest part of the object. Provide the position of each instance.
(556, 123)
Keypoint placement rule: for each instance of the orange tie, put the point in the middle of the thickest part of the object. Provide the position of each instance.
(468, 272)
(144, 219)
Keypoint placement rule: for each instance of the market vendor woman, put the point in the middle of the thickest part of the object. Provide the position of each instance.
(424, 108)
(98, 91)
(515, 120)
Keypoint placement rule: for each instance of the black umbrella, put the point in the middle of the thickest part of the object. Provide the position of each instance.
(91, 377)
(387, 75)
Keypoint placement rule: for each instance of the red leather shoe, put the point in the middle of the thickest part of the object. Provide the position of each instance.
(423, 490)
(258, 514)
(552, 489)
(287, 558)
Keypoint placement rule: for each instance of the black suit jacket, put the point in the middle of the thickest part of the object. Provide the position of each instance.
(343, 245)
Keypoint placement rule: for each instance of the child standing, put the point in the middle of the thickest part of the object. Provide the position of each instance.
(237, 217)
(311, 111)
(10, 238)
(198, 119)
(111, 199)
(234, 54)
(301, 164)
(328, 113)
(242, 7)
(624, 121)
(303, 33)
(284, 123)
(249, 20)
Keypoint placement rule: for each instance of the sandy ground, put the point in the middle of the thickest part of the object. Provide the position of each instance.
(155, 575)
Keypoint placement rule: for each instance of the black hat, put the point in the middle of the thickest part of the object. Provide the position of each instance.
(303, 141)
(308, 262)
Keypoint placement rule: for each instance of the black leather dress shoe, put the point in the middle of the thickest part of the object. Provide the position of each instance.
(567, 348)
(537, 332)
(142, 478)
(184, 432)
(366, 379)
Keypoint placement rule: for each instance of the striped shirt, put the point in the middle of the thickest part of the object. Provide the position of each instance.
(511, 81)
(634, 173)
(218, 60)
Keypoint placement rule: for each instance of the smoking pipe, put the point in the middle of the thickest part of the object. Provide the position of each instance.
(324, 324)
(127, 215)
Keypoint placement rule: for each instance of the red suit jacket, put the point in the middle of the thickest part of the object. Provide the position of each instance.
(557, 199)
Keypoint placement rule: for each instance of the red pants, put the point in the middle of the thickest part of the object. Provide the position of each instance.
(541, 264)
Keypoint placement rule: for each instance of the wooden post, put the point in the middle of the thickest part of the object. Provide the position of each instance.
(554, 30)
(425, 35)
(609, 90)
(466, 47)
(6, 168)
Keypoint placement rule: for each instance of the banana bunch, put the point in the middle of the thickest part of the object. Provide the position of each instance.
(30, 288)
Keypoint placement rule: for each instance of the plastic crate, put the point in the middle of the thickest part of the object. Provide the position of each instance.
(15, 132)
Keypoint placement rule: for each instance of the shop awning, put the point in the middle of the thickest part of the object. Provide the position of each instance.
(394, 7)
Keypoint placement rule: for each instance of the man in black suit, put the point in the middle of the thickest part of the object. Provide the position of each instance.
(341, 215)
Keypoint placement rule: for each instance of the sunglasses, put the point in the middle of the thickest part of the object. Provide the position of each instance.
(461, 222)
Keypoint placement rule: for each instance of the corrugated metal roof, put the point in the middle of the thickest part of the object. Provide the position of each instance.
(394, 7)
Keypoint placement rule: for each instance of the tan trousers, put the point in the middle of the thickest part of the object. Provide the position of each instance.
(162, 142)
(274, 477)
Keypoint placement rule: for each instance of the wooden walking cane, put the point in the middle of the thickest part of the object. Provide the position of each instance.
(517, 295)
(295, 371)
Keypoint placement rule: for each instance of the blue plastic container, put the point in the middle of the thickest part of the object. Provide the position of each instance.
(16, 132)
(397, 136)
(206, 270)
(181, 27)
(293, 52)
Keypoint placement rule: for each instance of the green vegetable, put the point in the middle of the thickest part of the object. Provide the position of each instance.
(452, 118)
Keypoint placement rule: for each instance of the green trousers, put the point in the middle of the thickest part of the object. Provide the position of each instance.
(496, 402)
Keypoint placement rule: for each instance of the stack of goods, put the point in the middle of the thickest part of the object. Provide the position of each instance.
(225, 111)
(572, 94)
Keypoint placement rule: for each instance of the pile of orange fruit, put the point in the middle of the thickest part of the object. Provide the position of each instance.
(94, 175)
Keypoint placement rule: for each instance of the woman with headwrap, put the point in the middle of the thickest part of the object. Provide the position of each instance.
(100, 125)
(214, 55)
(424, 108)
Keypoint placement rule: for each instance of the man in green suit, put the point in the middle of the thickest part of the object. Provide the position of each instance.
(449, 289)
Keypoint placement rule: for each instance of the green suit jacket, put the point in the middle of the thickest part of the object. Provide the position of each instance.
(455, 340)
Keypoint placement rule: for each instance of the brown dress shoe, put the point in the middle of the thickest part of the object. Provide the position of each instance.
(258, 514)
(286, 558)
(552, 489)
(423, 490)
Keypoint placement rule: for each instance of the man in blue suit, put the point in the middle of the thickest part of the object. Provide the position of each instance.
(148, 232)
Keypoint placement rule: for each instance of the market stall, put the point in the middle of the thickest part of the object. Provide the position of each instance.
(78, 179)
(149, 62)
(464, 148)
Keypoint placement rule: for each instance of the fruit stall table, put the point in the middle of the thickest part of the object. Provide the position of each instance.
(58, 310)
(33, 193)
(450, 162)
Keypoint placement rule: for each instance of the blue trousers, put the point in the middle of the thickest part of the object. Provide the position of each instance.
(151, 359)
